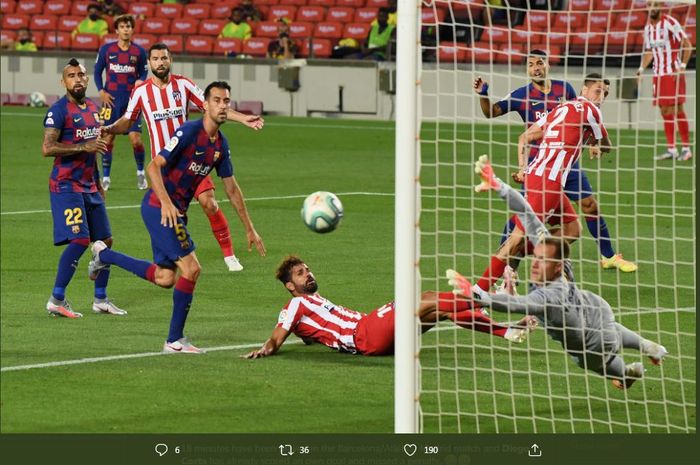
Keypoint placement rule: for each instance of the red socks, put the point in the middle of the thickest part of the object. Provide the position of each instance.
(478, 321)
(492, 274)
(670, 130)
(219, 226)
(683, 129)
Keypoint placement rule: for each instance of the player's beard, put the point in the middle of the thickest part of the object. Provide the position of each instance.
(161, 74)
(654, 14)
(78, 95)
(311, 287)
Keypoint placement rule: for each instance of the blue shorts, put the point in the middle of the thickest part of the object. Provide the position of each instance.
(168, 244)
(112, 115)
(78, 216)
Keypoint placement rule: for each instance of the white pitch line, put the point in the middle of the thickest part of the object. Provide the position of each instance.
(252, 199)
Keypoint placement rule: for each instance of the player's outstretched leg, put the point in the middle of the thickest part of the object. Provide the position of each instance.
(488, 178)
(219, 224)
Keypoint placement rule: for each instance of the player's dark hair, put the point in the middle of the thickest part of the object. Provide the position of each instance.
(537, 53)
(96, 6)
(73, 62)
(561, 247)
(216, 85)
(592, 78)
(284, 271)
(124, 19)
(158, 46)
(383, 10)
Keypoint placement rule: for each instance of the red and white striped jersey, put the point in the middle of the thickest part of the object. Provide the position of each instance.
(566, 129)
(164, 109)
(317, 318)
(664, 40)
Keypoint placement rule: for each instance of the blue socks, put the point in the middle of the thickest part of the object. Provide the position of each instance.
(599, 230)
(182, 299)
(67, 265)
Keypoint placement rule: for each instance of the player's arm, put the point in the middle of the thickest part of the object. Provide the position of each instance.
(235, 196)
(647, 57)
(533, 133)
(52, 148)
(168, 212)
(481, 87)
(252, 121)
(120, 127)
(271, 346)
(686, 52)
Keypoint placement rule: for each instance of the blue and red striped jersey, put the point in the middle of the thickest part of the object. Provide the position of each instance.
(75, 172)
(123, 67)
(190, 156)
(532, 104)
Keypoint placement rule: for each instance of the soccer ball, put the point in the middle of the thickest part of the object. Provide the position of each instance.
(322, 212)
(37, 99)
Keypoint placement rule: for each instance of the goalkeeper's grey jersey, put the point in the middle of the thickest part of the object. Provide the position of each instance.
(579, 320)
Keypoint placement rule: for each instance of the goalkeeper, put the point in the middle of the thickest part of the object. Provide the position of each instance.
(580, 320)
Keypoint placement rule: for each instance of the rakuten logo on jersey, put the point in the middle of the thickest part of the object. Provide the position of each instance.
(199, 168)
(540, 114)
(168, 113)
(117, 68)
(89, 133)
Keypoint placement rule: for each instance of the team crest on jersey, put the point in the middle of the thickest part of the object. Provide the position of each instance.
(177, 95)
(217, 154)
(75, 229)
(283, 316)
(133, 59)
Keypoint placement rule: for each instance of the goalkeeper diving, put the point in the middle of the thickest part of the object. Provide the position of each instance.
(581, 321)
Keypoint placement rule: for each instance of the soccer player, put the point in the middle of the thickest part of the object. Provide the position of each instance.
(71, 136)
(314, 318)
(126, 66)
(532, 102)
(581, 321)
(175, 174)
(164, 99)
(562, 133)
(666, 43)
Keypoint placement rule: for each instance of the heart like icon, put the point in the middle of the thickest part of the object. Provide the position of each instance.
(410, 449)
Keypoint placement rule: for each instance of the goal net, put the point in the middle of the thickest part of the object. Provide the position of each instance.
(472, 381)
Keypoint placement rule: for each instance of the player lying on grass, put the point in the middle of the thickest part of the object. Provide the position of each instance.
(580, 320)
(314, 318)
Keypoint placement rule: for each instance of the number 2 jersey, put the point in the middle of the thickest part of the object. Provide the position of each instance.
(77, 125)
(315, 317)
(566, 129)
(191, 155)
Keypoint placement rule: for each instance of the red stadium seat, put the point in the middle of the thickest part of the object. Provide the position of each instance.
(326, 3)
(600, 21)
(538, 20)
(222, 10)
(580, 5)
(145, 40)
(196, 10)
(38, 37)
(30, 7)
(7, 6)
(6, 35)
(68, 23)
(620, 42)
(340, 14)
(86, 42)
(587, 43)
(312, 14)
(556, 36)
(432, 16)
(79, 8)
(469, 9)
(250, 107)
(43, 23)
(529, 39)
(631, 20)
(572, 20)
(168, 10)
(495, 35)
(350, 3)
(174, 43)
(144, 10)
(155, 26)
(329, 30)
(224, 46)
(322, 48)
(357, 31)
(57, 7)
(266, 29)
(365, 15)
(554, 54)
(301, 30)
(615, 5)
(512, 54)
(281, 11)
(199, 45)
(107, 38)
(211, 27)
(184, 26)
(266, 3)
(376, 3)
(449, 53)
(256, 46)
(479, 52)
(296, 3)
(14, 21)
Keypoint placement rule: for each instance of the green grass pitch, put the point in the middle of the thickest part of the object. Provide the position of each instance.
(474, 382)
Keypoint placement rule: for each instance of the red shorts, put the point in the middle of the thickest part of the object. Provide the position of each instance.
(204, 186)
(669, 90)
(550, 204)
(374, 334)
